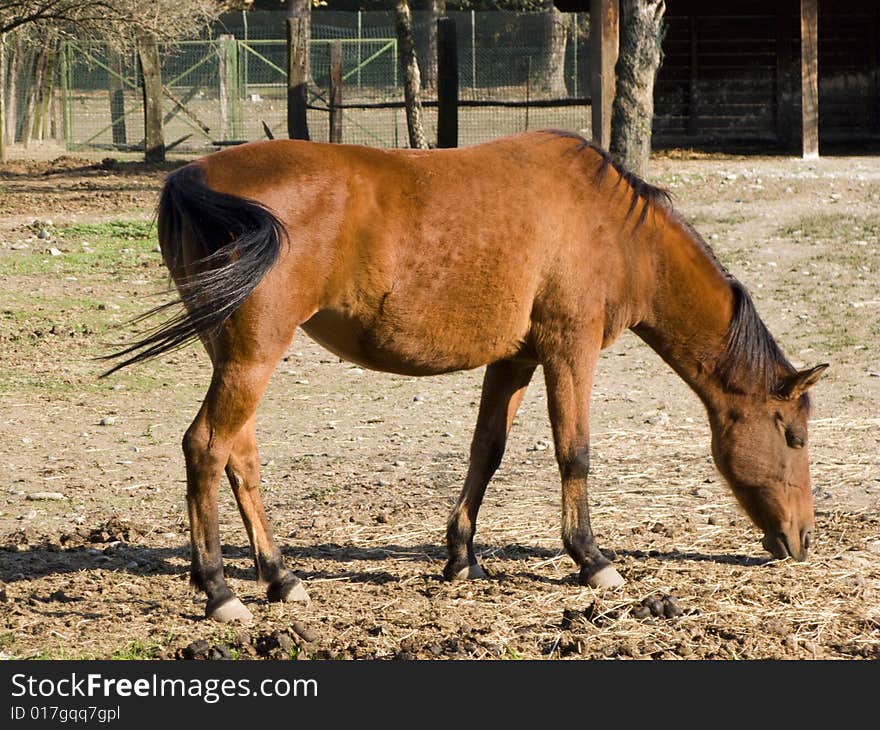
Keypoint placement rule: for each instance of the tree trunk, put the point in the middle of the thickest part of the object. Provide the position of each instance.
(2, 97)
(302, 9)
(550, 70)
(31, 92)
(47, 87)
(641, 35)
(11, 118)
(412, 82)
(428, 45)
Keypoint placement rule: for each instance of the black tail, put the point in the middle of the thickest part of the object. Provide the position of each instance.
(237, 242)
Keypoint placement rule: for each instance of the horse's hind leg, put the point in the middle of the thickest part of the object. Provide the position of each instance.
(243, 470)
(504, 386)
(231, 401)
(569, 382)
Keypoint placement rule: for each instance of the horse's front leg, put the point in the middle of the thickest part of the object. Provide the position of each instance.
(569, 381)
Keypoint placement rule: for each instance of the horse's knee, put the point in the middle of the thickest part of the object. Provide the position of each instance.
(575, 464)
(202, 452)
(490, 449)
(195, 443)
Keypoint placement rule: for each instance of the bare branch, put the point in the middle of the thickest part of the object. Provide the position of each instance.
(114, 21)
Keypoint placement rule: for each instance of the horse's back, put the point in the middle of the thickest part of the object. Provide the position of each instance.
(414, 261)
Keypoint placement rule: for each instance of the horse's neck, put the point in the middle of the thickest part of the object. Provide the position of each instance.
(690, 304)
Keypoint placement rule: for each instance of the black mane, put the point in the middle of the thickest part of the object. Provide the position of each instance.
(649, 194)
(751, 355)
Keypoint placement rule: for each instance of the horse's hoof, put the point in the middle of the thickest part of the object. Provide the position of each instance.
(231, 610)
(607, 577)
(471, 572)
(289, 591)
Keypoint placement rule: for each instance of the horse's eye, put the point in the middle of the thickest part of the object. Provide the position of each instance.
(793, 440)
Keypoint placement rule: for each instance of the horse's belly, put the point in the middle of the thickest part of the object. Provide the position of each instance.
(382, 345)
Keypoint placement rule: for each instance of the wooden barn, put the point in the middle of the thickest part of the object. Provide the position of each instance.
(740, 75)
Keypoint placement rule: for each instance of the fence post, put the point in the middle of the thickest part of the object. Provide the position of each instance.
(360, 38)
(336, 92)
(297, 81)
(235, 87)
(574, 55)
(117, 97)
(230, 94)
(604, 22)
(447, 84)
(809, 79)
(245, 61)
(473, 50)
(154, 135)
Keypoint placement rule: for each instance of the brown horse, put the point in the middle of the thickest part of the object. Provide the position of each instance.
(531, 250)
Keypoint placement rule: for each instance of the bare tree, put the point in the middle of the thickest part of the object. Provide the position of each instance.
(641, 36)
(113, 21)
(412, 78)
(118, 23)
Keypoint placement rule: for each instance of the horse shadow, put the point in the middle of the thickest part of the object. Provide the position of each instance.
(38, 561)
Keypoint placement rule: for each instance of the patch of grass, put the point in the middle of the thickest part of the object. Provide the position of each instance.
(511, 653)
(137, 650)
(114, 248)
(834, 227)
(44, 313)
(121, 229)
(709, 221)
(63, 654)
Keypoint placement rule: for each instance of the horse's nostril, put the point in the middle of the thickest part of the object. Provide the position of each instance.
(808, 539)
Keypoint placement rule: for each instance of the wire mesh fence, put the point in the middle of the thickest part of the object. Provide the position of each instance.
(231, 83)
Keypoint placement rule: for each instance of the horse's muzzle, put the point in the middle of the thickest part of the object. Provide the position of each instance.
(781, 546)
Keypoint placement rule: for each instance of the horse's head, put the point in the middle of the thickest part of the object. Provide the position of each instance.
(760, 447)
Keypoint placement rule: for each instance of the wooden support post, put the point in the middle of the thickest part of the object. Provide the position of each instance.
(694, 89)
(810, 78)
(154, 135)
(875, 61)
(604, 23)
(447, 84)
(336, 92)
(117, 98)
(297, 77)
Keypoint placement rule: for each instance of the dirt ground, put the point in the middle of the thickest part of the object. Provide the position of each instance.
(360, 469)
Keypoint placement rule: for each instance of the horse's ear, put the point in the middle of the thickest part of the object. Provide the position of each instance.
(799, 383)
